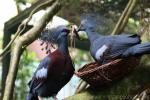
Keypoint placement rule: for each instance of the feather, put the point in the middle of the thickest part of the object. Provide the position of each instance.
(41, 73)
(137, 50)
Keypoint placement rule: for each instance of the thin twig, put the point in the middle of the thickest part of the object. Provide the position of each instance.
(19, 31)
(25, 40)
(24, 23)
(82, 86)
(124, 17)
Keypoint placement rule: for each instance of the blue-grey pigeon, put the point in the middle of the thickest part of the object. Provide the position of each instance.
(55, 70)
(104, 48)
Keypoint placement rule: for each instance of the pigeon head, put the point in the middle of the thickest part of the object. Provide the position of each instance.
(54, 34)
(87, 22)
(62, 32)
(51, 36)
(91, 21)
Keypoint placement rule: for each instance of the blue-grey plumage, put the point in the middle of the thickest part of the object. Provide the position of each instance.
(137, 50)
(32, 96)
(104, 48)
(115, 46)
(51, 35)
(54, 71)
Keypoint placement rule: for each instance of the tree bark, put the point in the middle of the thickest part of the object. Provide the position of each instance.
(13, 23)
(25, 40)
(9, 28)
(24, 23)
(5, 60)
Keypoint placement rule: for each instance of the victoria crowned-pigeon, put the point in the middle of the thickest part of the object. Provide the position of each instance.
(108, 47)
(55, 70)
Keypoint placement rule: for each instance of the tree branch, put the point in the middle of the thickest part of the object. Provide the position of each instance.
(24, 23)
(81, 87)
(25, 40)
(124, 17)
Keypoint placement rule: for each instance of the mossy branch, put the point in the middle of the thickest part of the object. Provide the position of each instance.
(123, 89)
(25, 40)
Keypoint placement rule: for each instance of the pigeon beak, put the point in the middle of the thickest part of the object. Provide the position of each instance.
(81, 28)
(75, 30)
(77, 35)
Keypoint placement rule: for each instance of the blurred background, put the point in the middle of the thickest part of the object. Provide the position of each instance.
(12, 12)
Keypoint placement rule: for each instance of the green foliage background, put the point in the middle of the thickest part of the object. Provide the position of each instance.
(26, 67)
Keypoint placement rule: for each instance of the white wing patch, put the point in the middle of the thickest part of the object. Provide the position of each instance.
(42, 73)
(100, 52)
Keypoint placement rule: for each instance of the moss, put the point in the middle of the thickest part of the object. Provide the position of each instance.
(124, 89)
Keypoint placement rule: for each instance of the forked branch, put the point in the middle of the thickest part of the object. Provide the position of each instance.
(25, 40)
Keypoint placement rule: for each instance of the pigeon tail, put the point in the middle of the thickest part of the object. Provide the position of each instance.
(31, 96)
(137, 50)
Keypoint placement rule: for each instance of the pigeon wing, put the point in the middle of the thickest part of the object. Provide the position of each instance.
(40, 74)
(120, 43)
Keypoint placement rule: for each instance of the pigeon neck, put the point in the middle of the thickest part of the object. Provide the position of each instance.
(63, 45)
(92, 35)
